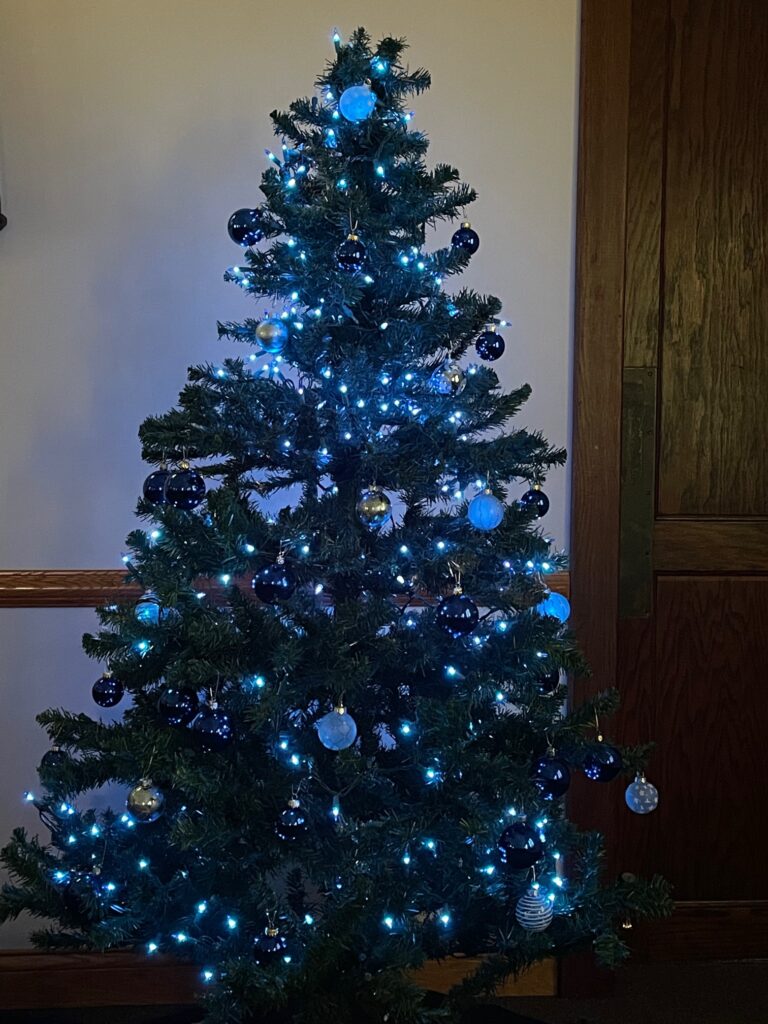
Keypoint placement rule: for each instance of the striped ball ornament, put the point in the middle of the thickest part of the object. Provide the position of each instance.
(534, 911)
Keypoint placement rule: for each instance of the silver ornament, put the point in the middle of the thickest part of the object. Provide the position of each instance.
(145, 801)
(641, 796)
(448, 379)
(374, 508)
(273, 334)
(534, 910)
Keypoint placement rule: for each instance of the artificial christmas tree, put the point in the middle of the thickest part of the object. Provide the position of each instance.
(356, 761)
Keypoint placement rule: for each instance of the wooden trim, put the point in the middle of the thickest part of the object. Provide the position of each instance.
(89, 588)
(732, 546)
(36, 981)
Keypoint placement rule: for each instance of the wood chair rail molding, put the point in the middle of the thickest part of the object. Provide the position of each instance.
(89, 588)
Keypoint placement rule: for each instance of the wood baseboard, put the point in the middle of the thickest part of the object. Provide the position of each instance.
(89, 588)
(37, 981)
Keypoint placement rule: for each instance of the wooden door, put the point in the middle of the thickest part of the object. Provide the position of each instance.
(670, 514)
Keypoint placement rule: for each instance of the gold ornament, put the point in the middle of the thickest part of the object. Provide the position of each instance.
(145, 801)
(374, 508)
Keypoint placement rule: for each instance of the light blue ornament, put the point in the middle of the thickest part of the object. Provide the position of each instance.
(641, 796)
(147, 609)
(485, 511)
(534, 910)
(337, 729)
(556, 605)
(357, 102)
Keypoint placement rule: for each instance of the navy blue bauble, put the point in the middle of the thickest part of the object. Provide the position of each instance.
(490, 345)
(268, 946)
(351, 254)
(535, 499)
(357, 103)
(154, 486)
(602, 762)
(53, 760)
(177, 707)
(520, 846)
(485, 511)
(466, 238)
(291, 825)
(212, 727)
(246, 227)
(185, 488)
(457, 615)
(274, 583)
(108, 691)
(551, 775)
(549, 682)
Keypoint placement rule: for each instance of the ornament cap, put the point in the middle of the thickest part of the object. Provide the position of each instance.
(340, 709)
(294, 803)
(271, 932)
(466, 224)
(352, 237)
(184, 464)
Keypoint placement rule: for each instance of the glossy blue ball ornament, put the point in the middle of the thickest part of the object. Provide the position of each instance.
(147, 609)
(602, 762)
(275, 582)
(534, 910)
(154, 486)
(551, 776)
(177, 707)
(212, 728)
(519, 846)
(537, 500)
(185, 488)
(337, 729)
(107, 691)
(246, 227)
(641, 796)
(272, 334)
(357, 102)
(485, 511)
(351, 254)
(490, 345)
(457, 615)
(466, 238)
(556, 605)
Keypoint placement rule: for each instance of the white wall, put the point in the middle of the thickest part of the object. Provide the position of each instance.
(129, 131)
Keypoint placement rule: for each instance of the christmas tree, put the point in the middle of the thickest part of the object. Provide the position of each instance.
(346, 743)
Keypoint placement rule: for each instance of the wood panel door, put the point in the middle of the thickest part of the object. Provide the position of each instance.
(670, 515)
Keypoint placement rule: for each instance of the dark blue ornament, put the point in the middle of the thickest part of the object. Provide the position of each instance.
(351, 254)
(246, 227)
(602, 762)
(291, 825)
(490, 345)
(269, 946)
(53, 760)
(185, 488)
(535, 499)
(177, 707)
(154, 486)
(520, 846)
(457, 615)
(212, 727)
(108, 691)
(274, 583)
(551, 776)
(549, 682)
(466, 238)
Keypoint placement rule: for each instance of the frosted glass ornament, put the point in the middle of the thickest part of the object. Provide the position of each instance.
(337, 730)
(357, 102)
(485, 511)
(556, 605)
